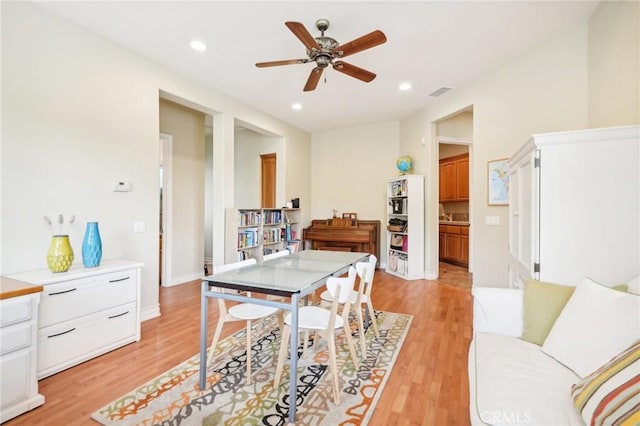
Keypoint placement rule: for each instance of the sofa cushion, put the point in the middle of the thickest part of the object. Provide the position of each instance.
(543, 303)
(515, 383)
(596, 324)
(611, 394)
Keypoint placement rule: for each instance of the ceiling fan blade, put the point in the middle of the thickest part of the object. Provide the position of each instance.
(367, 41)
(314, 78)
(353, 71)
(301, 32)
(285, 62)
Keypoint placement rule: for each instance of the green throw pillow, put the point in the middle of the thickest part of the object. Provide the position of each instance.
(543, 303)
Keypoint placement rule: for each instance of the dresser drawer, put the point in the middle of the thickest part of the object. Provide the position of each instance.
(76, 298)
(69, 343)
(15, 310)
(16, 337)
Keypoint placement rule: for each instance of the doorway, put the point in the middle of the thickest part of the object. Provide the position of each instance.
(455, 142)
(268, 180)
(165, 194)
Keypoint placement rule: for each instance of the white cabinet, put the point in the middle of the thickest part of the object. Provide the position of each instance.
(574, 207)
(405, 227)
(85, 312)
(252, 233)
(18, 352)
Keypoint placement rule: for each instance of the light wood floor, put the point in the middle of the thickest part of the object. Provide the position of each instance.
(428, 384)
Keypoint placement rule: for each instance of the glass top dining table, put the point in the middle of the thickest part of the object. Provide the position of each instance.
(294, 276)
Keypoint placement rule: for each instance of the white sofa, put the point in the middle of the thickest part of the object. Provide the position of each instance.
(512, 381)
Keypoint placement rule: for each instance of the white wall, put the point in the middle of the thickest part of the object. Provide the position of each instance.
(80, 112)
(543, 90)
(249, 145)
(614, 64)
(350, 169)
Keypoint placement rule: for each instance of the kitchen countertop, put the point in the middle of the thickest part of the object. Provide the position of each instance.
(13, 288)
(454, 222)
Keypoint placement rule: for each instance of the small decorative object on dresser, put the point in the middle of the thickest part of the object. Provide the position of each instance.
(60, 254)
(91, 246)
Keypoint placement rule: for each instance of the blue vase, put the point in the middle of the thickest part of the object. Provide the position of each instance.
(91, 246)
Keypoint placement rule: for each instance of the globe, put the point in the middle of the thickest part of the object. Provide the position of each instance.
(404, 164)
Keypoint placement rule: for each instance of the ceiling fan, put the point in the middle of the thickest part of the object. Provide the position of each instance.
(325, 51)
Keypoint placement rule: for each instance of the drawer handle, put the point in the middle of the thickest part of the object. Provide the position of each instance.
(119, 315)
(119, 279)
(60, 334)
(63, 292)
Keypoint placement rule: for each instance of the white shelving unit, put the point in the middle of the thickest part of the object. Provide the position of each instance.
(252, 233)
(573, 207)
(405, 245)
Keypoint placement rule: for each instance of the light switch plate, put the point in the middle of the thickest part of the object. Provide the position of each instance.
(139, 226)
(492, 220)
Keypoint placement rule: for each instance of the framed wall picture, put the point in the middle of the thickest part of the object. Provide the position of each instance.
(498, 182)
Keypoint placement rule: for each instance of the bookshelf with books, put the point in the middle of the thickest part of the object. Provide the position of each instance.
(252, 233)
(405, 227)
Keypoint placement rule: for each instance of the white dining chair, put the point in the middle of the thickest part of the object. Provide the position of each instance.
(324, 322)
(239, 312)
(361, 298)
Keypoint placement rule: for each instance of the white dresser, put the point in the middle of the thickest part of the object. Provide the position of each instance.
(85, 312)
(18, 348)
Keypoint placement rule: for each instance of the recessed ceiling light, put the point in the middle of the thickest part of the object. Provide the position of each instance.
(297, 106)
(198, 45)
(404, 86)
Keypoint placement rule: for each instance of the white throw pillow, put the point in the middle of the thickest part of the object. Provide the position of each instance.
(596, 324)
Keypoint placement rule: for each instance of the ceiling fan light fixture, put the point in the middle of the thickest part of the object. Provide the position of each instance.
(296, 106)
(325, 51)
(404, 86)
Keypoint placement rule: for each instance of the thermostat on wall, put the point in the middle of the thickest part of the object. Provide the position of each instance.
(121, 186)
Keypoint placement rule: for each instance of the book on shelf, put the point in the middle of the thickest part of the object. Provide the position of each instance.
(293, 246)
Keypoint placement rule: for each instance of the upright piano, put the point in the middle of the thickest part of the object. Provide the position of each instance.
(343, 235)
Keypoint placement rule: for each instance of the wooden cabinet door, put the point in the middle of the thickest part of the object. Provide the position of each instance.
(448, 181)
(441, 245)
(464, 255)
(453, 247)
(462, 179)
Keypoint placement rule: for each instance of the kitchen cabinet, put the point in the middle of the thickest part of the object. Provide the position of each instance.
(454, 178)
(567, 191)
(454, 244)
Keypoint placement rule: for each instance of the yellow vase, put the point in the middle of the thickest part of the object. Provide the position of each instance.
(60, 255)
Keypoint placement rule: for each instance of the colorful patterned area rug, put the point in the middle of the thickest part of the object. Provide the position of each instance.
(174, 397)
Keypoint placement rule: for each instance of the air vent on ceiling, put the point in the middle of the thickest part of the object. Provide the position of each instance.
(440, 91)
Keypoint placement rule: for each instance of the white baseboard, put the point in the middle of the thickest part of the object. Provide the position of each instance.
(150, 312)
(430, 275)
(194, 276)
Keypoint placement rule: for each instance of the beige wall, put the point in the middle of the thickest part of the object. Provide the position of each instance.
(614, 64)
(186, 126)
(249, 145)
(350, 169)
(79, 112)
(542, 90)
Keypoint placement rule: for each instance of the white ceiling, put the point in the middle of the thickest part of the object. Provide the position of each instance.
(430, 44)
